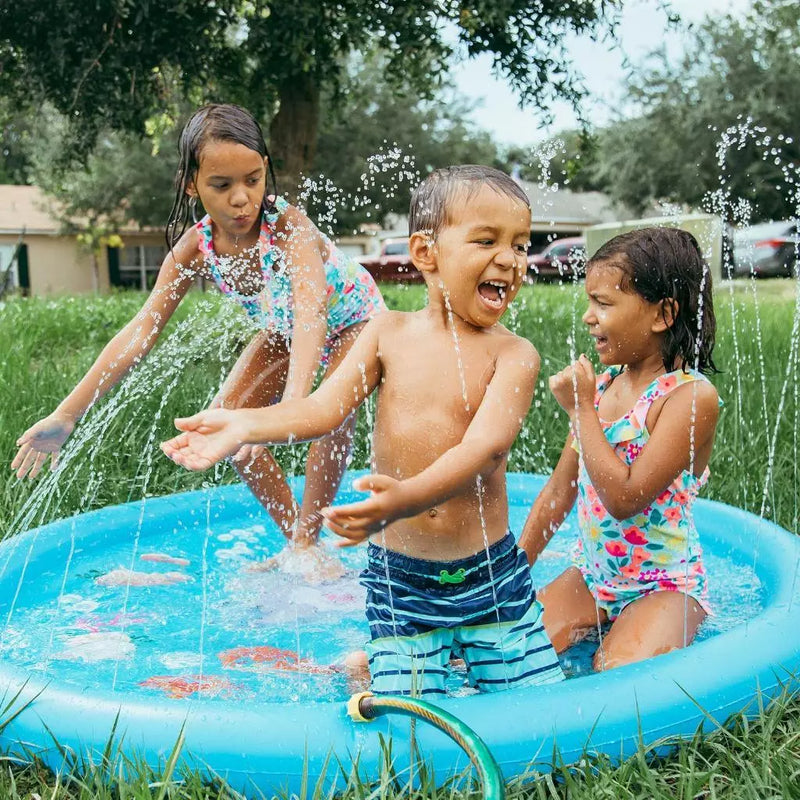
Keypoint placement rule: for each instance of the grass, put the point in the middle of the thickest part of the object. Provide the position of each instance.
(112, 458)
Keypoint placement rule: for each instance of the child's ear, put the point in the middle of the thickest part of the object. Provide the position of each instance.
(667, 314)
(191, 189)
(422, 249)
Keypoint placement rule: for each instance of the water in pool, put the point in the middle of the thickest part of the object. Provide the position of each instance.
(196, 622)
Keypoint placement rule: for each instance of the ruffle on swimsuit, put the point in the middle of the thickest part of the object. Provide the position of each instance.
(352, 294)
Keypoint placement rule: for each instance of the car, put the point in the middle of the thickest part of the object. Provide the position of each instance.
(766, 250)
(561, 259)
(392, 262)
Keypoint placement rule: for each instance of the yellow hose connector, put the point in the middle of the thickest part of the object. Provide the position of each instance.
(354, 707)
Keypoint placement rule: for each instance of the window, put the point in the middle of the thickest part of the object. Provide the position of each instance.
(395, 249)
(9, 281)
(138, 266)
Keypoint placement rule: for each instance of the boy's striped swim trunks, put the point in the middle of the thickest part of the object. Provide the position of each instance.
(482, 608)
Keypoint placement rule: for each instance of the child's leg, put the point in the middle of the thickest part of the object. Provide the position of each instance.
(647, 627)
(570, 611)
(256, 380)
(327, 457)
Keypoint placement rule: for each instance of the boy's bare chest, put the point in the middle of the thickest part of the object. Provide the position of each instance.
(439, 378)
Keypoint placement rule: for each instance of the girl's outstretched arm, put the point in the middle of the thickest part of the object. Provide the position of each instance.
(482, 450)
(681, 439)
(552, 504)
(301, 247)
(212, 435)
(118, 357)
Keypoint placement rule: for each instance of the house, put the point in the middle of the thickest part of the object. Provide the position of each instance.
(51, 261)
(556, 213)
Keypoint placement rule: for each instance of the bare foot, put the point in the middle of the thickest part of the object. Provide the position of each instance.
(312, 563)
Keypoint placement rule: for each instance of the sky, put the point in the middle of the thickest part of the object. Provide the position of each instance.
(642, 29)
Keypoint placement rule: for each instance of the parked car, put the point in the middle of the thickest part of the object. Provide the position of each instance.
(766, 250)
(392, 262)
(561, 259)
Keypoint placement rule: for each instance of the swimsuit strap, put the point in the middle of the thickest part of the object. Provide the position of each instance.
(603, 381)
(660, 387)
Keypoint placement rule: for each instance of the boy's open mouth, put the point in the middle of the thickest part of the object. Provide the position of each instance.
(493, 292)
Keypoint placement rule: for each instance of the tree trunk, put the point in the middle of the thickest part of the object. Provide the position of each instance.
(293, 132)
(95, 273)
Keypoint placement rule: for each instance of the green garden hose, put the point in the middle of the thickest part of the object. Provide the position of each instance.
(365, 706)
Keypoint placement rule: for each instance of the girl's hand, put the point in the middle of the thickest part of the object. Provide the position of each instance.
(247, 455)
(356, 522)
(41, 440)
(574, 386)
(208, 437)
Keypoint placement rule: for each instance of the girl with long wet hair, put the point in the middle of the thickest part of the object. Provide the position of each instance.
(308, 300)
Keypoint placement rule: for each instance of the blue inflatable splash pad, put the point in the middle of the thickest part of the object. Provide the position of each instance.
(146, 614)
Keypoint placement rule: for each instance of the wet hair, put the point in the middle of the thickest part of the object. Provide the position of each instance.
(667, 264)
(212, 123)
(433, 198)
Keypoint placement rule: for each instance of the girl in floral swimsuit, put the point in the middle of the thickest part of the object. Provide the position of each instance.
(308, 300)
(637, 454)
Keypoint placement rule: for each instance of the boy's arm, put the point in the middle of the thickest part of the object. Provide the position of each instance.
(214, 434)
(685, 426)
(552, 504)
(483, 448)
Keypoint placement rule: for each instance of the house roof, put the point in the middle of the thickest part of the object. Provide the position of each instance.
(29, 209)
(26, 208)
(565, 206)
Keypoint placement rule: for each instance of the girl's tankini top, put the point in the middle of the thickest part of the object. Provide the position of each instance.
(655, 550)
(352, 295)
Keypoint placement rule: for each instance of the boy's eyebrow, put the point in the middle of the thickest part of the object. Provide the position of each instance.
(493, 229)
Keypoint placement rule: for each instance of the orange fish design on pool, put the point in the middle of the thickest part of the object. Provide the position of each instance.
(265, 657)
(179, 687)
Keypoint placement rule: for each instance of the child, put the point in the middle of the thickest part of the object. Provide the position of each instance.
(453, 389)
(307, 297)
(637, 454)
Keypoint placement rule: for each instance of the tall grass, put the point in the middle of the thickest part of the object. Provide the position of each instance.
(49, 344)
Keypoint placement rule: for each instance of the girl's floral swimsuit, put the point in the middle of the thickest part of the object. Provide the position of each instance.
(352, 293)
(656, 550)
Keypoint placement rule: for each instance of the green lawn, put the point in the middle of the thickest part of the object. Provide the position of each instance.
(48, 344)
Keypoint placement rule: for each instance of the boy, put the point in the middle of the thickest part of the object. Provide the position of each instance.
(453, 389)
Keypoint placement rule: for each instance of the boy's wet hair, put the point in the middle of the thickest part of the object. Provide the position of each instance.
(211, 123)
(433, 198)
(663, 264)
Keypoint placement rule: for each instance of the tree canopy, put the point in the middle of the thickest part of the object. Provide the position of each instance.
(115, 62)
(376, 143)
(719, 126)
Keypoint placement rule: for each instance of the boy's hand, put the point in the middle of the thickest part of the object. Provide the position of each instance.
(356, 522)
(208, 437)
(43, 439)
(574, 387)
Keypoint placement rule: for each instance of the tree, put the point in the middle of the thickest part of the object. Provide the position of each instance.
(121, 181)
(111, 63)
(15, 135)
(375, 144)
(718, 127)
(561, 159)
